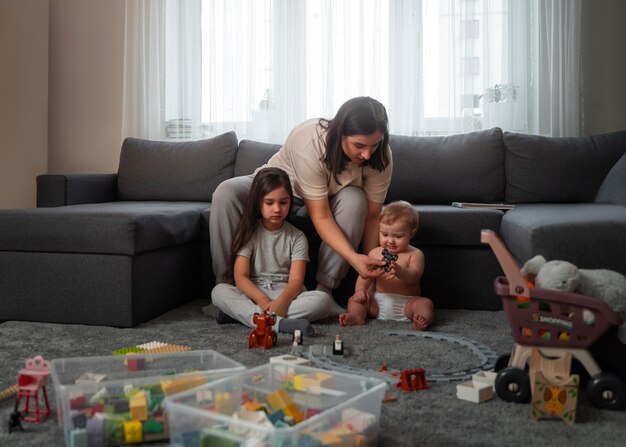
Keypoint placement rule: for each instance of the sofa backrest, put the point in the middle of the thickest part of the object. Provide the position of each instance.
(439, 170)
(165, 170)
(549, 169)
(252, 154)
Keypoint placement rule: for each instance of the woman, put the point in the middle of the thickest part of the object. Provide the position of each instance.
(340, 170)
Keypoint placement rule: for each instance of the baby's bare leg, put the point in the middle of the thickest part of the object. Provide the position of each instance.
(421, 312)
(358, 312)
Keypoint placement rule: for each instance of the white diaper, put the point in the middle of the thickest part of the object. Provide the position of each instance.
(391, 306)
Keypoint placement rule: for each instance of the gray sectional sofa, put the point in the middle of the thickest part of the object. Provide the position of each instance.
(120, 249)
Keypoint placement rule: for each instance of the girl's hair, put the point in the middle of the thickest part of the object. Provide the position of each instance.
(265, 181)
(400, 210)
(357, 116)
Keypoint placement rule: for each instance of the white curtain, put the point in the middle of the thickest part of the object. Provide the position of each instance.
(199, 68)
(162, 70)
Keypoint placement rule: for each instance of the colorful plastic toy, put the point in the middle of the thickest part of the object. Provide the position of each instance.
(557, 324)
(263, 335)
(30, 380)
(388, 257)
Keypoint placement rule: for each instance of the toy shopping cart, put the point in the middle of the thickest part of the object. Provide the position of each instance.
(557, 323)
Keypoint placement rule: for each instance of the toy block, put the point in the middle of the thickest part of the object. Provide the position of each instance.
(89, 379)
(133, 432)
(135, 364)
(252, 417)
(412, 379)
(139, 407)
(290, 360)
(280, 399)
(79, 419)
(172, 386)
(360, 421)
(78, 402)
(78, 438)
(204, 395)
(95, 431)
(488, 377)
(224, 403)
(317, 380)
(554, 390)
(474, 391)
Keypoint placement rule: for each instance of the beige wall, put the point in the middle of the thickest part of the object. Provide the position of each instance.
(84, 83)
(86, 67)
(604, 65)
(23, 99)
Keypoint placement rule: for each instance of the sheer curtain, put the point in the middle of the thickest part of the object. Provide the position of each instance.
(162, 70)
(199, 68)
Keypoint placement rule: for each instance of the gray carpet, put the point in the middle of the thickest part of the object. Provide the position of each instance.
(433, 417)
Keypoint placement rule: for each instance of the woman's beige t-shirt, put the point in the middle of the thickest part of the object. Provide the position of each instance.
(302, 158)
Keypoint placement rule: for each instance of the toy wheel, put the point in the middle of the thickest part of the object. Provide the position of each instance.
(513, 385)
(606, 391)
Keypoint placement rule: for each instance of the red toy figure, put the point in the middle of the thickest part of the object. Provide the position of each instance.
(263, 335)
(30, 380)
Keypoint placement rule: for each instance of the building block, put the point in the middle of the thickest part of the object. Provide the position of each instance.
(224, 403)
(474, 391)
(360, 421)
(78, 438)
(554, 390)
(133, 432)
(412, 379)
(317, 380)
(138, 405)
(172, 386)
(280, 399)
(488, 377)
(135, 364)
(263, 335)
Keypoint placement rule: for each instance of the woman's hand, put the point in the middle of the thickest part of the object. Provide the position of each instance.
(367, 267)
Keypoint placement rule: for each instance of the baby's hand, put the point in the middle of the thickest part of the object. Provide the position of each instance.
(360, 296)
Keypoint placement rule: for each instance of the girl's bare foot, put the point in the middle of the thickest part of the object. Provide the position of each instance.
(419, 323)
(348, 319)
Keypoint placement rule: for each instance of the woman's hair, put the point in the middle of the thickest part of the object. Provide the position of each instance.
(265, 181)
(400, 210)
(357, 116)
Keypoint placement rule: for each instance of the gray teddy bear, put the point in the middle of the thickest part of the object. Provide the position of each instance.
(564, 276)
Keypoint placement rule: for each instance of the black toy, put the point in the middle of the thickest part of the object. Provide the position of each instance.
(388, 257)
(15, 421)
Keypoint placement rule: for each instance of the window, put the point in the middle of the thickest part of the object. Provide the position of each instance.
(196, 68)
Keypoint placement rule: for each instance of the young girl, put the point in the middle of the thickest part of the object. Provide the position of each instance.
(268, 262)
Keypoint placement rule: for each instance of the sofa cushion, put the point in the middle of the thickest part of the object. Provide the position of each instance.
(586, 234)
(613, 188)
(441, 170)
(124, 228)
(252, 154)
(558, 170)
(163, 170)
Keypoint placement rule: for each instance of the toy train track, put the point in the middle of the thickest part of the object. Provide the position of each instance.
(322, 356)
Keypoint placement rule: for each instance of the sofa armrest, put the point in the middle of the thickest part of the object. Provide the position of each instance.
(74, 189)
(613, 188)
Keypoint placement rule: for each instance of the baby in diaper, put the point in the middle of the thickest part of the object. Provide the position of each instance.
(395, 295)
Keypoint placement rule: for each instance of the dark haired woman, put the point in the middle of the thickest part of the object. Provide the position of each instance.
(340, 170)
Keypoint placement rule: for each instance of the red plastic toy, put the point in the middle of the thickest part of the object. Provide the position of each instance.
(263, 335)
(30, 380)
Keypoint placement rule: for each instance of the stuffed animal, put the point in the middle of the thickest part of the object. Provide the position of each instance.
(566, 277)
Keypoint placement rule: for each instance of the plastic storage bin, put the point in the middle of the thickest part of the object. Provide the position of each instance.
(117, 400)
(278, 404)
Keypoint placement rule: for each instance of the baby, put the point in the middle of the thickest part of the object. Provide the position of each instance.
(395, 295)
